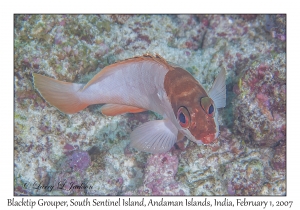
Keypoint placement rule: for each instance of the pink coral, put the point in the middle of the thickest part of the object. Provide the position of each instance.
(159, 175)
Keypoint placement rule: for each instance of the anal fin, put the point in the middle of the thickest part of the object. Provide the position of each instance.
(156, 136)
(116, 109)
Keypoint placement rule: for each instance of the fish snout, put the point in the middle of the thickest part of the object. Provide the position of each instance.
(208, 138)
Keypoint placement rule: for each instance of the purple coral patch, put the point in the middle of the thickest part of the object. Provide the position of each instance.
(79, 160)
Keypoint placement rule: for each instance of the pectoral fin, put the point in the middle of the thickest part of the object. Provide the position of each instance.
(116, 109)
(156, 136)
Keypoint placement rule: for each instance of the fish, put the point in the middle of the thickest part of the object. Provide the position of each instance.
(142, 83)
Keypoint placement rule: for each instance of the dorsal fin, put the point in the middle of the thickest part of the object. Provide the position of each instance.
(146, 57)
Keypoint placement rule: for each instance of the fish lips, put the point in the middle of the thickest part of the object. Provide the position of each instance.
(208, 138)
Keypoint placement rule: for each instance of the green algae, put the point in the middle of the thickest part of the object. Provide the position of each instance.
(180, 170)
(103, 26)
(20, 117)
(21, 129)
(222, 169)
(193, 70)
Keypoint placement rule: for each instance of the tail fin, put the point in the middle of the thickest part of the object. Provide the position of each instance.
(63, 95)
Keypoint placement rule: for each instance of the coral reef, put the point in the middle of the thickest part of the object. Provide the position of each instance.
(276, 25)
(89, 154)
(159, 176)
(264, 118)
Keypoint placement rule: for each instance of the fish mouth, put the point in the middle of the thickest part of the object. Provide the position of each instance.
(208, 138)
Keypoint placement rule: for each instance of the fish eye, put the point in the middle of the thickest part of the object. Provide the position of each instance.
(183, 116)
(211, 109)
(207, 106)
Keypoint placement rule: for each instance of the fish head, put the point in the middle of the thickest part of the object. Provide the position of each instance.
(198, 120)
(195, 111)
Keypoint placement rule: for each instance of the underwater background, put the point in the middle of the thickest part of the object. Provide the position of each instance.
(89, 152)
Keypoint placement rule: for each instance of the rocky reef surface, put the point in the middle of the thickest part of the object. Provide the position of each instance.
(88, 154)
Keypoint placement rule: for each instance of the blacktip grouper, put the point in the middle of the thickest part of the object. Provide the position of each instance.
(143, 83)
